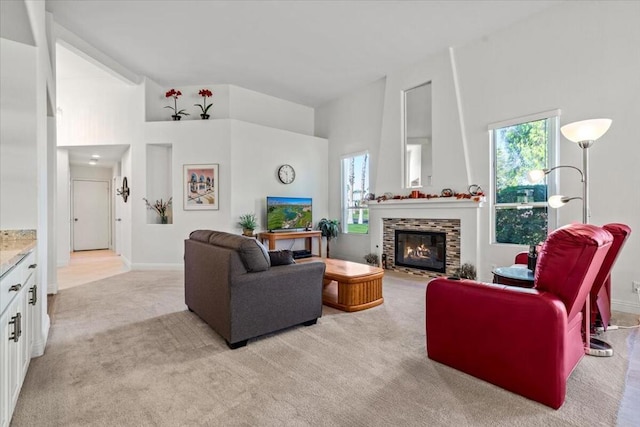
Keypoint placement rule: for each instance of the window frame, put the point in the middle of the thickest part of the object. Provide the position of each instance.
(344, 209)
(553, 134)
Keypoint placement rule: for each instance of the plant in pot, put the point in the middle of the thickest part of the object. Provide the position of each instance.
(204, 93)
(330, 228)
(161, 208)
(175, 94)
(248, 222)
(372, 259)
(467, 271)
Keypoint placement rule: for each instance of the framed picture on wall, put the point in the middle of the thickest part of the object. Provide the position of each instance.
(200, 183)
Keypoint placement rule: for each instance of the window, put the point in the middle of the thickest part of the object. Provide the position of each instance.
(520, 211)
(355, 186)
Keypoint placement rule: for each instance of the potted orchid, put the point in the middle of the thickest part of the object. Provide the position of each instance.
(204, 93)
(176, 113)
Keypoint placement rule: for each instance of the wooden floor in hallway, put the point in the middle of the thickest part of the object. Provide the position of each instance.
(89, 266)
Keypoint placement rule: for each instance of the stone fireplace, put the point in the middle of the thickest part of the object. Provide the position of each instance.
(457, 219)
(422, 247)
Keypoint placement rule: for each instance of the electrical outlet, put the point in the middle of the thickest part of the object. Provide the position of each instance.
(635, 284)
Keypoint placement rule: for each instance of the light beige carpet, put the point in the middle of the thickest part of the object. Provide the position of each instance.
(124, 351)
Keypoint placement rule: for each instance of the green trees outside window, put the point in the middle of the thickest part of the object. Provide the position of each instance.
(520, 208)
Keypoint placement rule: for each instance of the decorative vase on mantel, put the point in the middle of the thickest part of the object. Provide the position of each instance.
(176, 117)
(204, 116)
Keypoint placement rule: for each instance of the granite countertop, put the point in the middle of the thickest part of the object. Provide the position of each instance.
(12, 251)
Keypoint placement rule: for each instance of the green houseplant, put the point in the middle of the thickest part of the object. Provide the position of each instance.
(248, 222)
(330, 228)
(372, 259)
(467, 271)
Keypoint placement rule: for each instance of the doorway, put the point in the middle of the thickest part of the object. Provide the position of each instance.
(91, 215)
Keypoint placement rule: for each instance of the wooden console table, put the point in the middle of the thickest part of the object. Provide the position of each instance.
(293, 235)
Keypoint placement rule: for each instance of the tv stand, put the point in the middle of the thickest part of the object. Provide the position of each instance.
(272, 237)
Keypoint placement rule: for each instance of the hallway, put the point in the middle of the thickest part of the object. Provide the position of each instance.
(89, 266)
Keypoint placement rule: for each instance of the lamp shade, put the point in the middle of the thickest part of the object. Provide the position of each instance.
(536, 175)
(586, 130)
(557, 201)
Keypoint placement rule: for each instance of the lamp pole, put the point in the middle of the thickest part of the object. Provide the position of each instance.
(585, 181)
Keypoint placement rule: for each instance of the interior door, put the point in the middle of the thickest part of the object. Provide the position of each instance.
(90, 215)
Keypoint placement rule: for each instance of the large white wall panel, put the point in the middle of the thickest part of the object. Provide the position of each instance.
(18, 137)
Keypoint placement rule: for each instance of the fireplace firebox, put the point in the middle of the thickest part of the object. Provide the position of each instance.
(424, 250)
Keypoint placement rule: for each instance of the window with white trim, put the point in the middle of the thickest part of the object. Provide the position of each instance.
(355, 186)
(520, 213)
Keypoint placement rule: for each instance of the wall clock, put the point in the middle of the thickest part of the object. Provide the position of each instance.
(286, 174)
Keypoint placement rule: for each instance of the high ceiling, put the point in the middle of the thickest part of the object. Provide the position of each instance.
(308, 52)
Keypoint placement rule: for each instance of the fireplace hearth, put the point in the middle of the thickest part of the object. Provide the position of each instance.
(424, 250)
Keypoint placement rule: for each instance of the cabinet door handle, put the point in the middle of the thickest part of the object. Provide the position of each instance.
(33, 265)
(16, 321)
(34, 294)
(15, 288)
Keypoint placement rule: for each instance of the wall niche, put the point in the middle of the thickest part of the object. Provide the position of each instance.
(159, 188)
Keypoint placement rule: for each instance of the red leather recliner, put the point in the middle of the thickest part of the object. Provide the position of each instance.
(601, 290)
(524, 340)
(600, 295)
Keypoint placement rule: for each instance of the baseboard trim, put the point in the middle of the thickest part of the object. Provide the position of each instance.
(152, 266)
(625, 306)
(41, 343)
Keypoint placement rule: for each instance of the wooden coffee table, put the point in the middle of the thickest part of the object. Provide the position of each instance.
(350, 286)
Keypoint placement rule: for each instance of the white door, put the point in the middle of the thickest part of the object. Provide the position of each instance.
(117, 218)
(90, 215)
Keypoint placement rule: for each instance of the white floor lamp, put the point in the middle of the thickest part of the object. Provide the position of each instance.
(584, 133)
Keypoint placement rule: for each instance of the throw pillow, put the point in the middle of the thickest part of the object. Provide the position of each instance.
(283, 257)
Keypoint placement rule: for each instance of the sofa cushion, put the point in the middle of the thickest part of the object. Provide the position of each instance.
(281, 257)
(201, 235)
(253, 254)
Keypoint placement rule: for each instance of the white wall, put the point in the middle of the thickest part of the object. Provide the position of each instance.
(256, 153)
(97, 111)
(126, 223)
(248, 156)
(63, 209)
(261, 109)
(90, 173)
(591, 72)
(18, 136)
(352, 124)
(545, 62)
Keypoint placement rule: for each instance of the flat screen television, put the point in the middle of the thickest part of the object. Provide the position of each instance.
(288, 213)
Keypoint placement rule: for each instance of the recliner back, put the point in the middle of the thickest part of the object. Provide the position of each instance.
(569, 261)
(600, 297)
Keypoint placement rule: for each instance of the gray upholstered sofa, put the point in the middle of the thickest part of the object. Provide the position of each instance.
(230, 283)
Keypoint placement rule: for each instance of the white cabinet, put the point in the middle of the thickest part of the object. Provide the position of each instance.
(18, 308)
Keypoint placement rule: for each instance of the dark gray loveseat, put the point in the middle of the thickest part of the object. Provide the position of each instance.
(230, 283)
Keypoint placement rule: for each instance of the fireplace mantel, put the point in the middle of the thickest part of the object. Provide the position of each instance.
(435, 203)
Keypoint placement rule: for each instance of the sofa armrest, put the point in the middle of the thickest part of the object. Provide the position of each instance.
(280, 297)
(512, 337)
